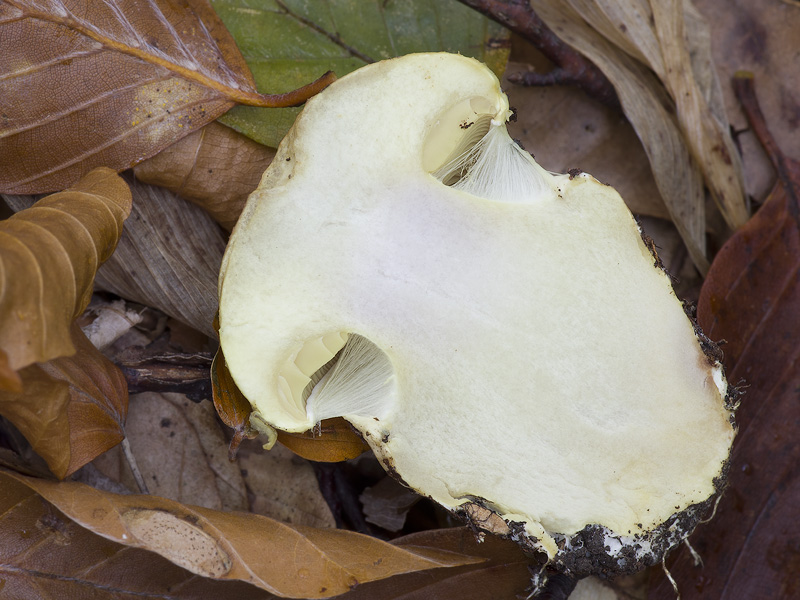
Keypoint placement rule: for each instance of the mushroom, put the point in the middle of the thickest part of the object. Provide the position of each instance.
(502, 337)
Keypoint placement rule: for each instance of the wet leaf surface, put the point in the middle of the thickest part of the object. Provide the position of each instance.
(294, 561)
(48, 258)
(72, 408)
(751, 299)
(167, 68)
(291, 41)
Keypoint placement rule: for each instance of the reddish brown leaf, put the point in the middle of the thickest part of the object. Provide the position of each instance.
(110, 83)
(334, 440)
(293, 561)
(72, 409)
(232, 407)
(214, 167)
(751, 299)
(46, 556)
(503, 576)
(49, 254)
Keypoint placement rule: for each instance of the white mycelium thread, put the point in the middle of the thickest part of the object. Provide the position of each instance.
(496, 168)
(360, 384)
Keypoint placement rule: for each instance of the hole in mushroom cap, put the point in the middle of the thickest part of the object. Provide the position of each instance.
(456, 130)
(338, 374)
(469, 149)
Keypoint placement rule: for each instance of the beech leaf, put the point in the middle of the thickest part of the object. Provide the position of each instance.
(179, 449)
(286, 42)
(333, 440)
(215, 167)
(168, 256)
(284, 487)
(286, 560)
(48, 258)
(504, 575)
(72, 408)
(46, 556)
(751, 299)
(131, 78)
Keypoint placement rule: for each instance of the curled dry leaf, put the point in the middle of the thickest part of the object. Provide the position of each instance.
(751, 298)
(289, 561)
(180, 451)
(167, 68)
(48, 258)
(168, 256)
(45, 555)
(333, 440)
(72, 408)
(672, 39)
(215, 167)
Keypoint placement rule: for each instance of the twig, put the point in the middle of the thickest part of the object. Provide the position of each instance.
(168, 372)
(137, 474)
(572, 68)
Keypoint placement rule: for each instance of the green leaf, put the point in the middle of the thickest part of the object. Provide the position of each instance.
(288, 43)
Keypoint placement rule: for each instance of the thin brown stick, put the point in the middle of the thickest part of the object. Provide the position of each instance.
(572, 68)
(134, 466)
(187, 374)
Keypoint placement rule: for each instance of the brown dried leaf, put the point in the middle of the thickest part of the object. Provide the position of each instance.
(760, 36)
(168, 256)
(46, 556)
(48, 258)
(387, 503)
(751, 299)
(214, 167)
(72, 408)
(672, 39)
(503, 576)
(231, 405)
(284, 487)
(293, 561)
(180, 451)
(565, 129)
(131, 78)
(333, 440)
(646, 105)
